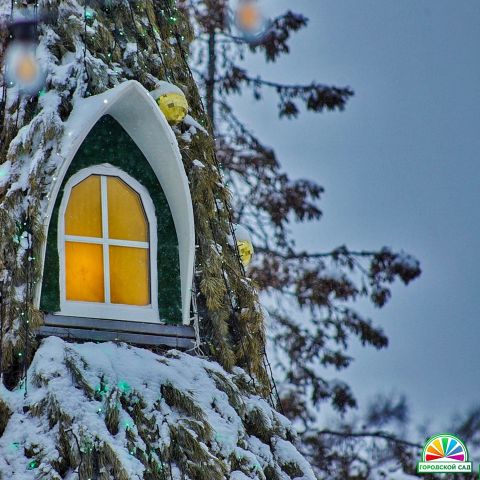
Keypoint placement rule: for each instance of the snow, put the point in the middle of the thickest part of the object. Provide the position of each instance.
(5, 8)
(288, 454)
(404, 259)
(130, 50)
(162, 88)
(242, 234)
(189, 120)
(137, 372)
(238, 476)
(198, 164)
(5, 169)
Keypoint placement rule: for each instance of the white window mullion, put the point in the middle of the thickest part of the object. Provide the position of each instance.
(105, 234)
(128, 243)
(111, 241)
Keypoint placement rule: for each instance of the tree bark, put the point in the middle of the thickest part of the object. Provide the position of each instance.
(212, 68)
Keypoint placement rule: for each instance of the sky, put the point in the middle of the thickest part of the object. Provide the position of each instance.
(401, 168)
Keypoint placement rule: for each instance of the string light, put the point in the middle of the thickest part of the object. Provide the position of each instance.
(89, 13)
(102, 390)
(124, 387)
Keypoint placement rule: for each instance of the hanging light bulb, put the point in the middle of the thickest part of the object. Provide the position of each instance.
(26, 69)
(248, 16)
(22, 66)
(172, 102)
(250, 22)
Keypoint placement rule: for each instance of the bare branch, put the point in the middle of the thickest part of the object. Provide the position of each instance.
(306, 255)
(376, 434)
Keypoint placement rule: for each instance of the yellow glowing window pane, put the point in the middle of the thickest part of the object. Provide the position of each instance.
(126, 217)
(129, 276)
(84, 211)
(84, 272)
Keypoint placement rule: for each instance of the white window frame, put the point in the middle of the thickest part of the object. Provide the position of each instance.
(148, 313)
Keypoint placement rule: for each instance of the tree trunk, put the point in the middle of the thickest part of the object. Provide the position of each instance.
(212, 68)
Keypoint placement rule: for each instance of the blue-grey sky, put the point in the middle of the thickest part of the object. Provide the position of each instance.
(401, 168)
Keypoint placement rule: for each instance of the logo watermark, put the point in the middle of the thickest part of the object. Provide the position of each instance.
(444, 453)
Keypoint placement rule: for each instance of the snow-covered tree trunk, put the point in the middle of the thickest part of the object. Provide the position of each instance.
(113, 411)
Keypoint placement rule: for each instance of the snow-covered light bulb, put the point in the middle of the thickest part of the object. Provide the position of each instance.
(172, 102)
(244, 244)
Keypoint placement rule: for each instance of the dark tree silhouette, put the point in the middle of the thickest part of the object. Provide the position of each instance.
(311, 294)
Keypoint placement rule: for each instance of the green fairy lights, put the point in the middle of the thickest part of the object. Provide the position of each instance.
(101, 390)
(124, 387)
(89, 14)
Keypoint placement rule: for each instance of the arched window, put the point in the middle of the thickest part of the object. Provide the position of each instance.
(107, 245)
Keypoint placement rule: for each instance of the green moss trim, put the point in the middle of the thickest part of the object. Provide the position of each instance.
(108, 142)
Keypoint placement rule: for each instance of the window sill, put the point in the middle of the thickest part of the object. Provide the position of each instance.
(129, 313)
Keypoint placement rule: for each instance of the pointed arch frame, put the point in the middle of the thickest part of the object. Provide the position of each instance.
(131, 105)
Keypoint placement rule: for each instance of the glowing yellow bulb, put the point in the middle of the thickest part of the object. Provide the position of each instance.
(174, 106)
(248, 16)
(26, 69)
(245, 248)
